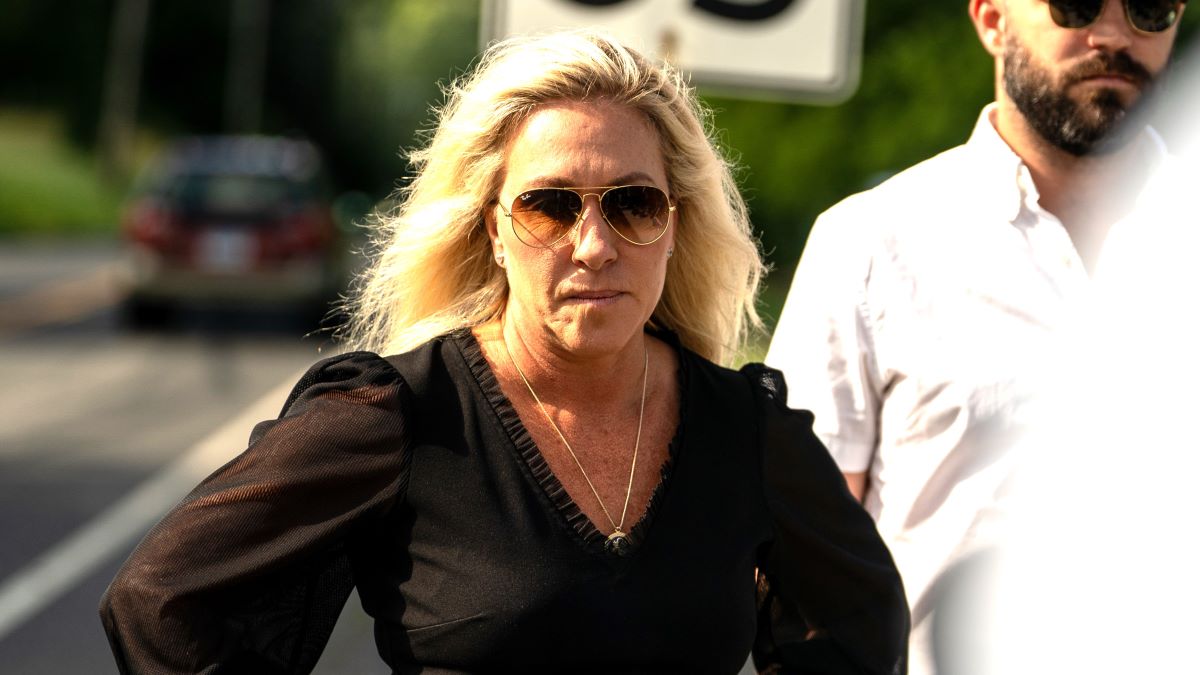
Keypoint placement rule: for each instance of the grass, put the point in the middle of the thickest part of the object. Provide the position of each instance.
(48, 186)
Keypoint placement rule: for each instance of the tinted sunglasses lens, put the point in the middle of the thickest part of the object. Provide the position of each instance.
(1152, 16)
(541, 217)
(1075, 13)
(639, 213)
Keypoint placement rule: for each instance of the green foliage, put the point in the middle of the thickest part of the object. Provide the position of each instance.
(390, 64)
(47, 186)
(52, 51)
(360, 77)
(924, 78)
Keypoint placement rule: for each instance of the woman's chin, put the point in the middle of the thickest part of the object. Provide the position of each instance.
(594, 336)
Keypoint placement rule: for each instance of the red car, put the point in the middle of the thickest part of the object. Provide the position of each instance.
(226, 220)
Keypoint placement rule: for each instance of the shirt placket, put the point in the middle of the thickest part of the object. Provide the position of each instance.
(1050, 245)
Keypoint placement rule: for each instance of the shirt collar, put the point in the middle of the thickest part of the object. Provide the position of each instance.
(998, 167)
(1004, 175)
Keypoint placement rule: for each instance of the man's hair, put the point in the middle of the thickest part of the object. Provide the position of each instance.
(432, 269)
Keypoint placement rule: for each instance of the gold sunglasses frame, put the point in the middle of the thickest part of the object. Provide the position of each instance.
(583, 193)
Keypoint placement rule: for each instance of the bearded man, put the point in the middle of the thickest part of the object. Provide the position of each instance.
(923, 310)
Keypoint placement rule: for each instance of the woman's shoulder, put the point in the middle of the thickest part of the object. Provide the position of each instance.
(343, 372)
(766, 381)
(348, 366)
(367, 377)
(353, 386)
(759, 377)
(756, 386)
(343, 400)
(361, 368)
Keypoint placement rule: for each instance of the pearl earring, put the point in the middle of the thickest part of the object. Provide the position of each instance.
(500, 260)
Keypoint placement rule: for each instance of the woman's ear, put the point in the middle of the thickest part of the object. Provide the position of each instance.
(672, 229)
(493, 232)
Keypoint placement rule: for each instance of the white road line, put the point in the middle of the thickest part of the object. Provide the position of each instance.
(62, 567)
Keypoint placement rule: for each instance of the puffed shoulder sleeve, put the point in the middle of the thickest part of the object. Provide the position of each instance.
(251, 570)
(831, 600)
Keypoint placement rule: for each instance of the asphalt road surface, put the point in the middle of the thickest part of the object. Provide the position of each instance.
(102, 429)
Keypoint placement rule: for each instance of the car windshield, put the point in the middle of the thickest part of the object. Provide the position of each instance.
(232, 194)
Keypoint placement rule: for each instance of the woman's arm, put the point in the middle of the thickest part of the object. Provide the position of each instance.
(250, 571)
(832, 598)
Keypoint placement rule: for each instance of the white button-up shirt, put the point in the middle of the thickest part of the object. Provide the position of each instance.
(920, 317)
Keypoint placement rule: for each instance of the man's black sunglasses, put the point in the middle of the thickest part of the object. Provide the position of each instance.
(1147, 16)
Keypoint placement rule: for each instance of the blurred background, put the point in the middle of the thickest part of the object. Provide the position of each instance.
(93, 91)
(181, 188)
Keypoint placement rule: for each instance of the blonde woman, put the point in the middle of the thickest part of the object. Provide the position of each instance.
(553, 473)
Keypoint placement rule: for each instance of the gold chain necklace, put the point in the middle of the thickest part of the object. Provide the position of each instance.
(617, 541)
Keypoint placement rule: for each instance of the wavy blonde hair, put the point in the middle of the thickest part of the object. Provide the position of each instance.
(432, 268)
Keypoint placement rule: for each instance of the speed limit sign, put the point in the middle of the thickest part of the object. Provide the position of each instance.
(792, 49)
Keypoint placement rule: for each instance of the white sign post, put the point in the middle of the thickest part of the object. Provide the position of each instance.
(800, 50)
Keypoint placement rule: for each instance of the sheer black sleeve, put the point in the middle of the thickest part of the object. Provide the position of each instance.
(831, 600)
(250, 571)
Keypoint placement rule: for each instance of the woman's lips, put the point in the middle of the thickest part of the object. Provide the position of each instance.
(594, 297)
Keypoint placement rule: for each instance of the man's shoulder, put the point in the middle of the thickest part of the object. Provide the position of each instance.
(915, 204)
(926, 184)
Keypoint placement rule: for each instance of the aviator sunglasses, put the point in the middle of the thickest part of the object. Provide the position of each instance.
(541, 217)
(1147, 16)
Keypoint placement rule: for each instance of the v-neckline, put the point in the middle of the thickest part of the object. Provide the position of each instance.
(526, 449)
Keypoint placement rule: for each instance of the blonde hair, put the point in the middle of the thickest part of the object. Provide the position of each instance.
(433, 271)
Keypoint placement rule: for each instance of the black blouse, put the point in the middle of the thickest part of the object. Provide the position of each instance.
(413, 479)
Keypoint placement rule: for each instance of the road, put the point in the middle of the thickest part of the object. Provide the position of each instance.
(102, 429)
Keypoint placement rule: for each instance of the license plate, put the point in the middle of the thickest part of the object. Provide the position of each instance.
(226, 251)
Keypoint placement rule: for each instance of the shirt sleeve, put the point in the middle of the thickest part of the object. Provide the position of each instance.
(831, 600)
(250, 571)
(823, 341)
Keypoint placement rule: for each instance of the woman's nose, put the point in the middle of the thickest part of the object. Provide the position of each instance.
(594, 243)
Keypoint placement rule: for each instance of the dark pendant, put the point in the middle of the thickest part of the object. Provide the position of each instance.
(617, 543)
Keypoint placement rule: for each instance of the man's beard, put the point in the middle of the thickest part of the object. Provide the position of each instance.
(1079, 128)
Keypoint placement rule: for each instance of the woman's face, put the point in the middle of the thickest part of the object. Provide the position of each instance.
(591, 292)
